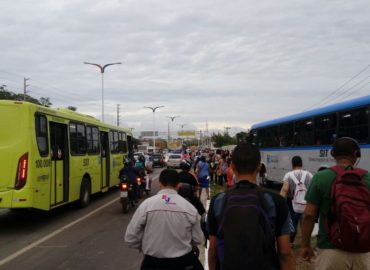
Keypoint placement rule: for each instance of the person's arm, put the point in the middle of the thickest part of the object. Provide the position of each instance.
(308, 222)
(197, 233)
(212, 252)
(135, 229)
(286, 258)
(212, 228)
(284, 189)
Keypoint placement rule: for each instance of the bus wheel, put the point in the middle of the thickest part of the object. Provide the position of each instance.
(85, 192)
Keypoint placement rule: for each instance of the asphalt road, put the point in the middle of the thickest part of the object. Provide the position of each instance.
(68, 237)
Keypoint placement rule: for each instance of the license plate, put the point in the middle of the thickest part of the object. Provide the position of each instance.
(123, 194)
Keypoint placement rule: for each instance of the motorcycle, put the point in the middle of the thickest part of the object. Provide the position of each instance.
(127, 196)
(144, 183)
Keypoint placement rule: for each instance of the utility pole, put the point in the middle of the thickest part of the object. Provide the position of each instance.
(227, 130)
(168, 133)
(25, 87)
(207, 135)
(117, 115)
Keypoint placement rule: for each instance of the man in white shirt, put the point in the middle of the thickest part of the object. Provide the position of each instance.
(291, 181)
(165, 227)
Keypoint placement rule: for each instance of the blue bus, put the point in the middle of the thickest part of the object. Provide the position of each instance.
(310, 134)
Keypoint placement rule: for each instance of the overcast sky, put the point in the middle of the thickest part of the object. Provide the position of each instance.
(222, 62)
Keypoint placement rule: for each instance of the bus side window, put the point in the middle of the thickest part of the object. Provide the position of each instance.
(286, 134)
(325, 128)
(92, 136)
(354, 124)
(42, 134)
(77, 135)
(303, 134)
(122, 142)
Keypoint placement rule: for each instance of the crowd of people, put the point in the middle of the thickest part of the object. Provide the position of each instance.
(250, 227)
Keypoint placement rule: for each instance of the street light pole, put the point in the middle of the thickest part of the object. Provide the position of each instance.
(172, 119)
(153, 110)
(182, 129)
(102, 69)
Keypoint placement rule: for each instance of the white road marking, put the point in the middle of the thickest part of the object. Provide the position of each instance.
(56, 232)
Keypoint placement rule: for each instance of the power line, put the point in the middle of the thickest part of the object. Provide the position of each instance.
(45, 87)
(338, 89)
(349, 89)
(356, 90)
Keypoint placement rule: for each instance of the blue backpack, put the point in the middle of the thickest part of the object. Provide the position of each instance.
(245, 236)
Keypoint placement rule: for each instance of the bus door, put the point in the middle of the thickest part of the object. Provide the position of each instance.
(105, 159)
(59, 163)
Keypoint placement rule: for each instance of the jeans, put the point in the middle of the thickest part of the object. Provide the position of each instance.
(296, 217)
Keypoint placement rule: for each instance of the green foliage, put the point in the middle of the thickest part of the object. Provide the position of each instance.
(5, 94)
(45, 102)
(215, 188)
(242, 137)
(223, 139)
(72, 108)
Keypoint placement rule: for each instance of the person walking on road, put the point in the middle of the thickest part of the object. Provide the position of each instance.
(248, 226)
(295, 184)
(165, 227)
(230, 175)
(341, 196)
(203, 176)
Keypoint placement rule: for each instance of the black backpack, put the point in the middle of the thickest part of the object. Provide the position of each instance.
(245, 237)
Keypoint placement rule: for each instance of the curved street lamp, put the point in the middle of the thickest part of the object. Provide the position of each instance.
(182, 129)
(102, 69)
(153, 110)
(172, 119)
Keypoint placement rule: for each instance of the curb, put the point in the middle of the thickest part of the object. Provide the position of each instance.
(205, 264)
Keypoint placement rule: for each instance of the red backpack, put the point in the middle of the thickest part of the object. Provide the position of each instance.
(348, 220)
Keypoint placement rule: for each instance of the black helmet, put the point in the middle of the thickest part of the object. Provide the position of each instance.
(185, 164)
(141, 158)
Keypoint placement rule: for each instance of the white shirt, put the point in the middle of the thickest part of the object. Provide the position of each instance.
(298, 173)
(165, 226)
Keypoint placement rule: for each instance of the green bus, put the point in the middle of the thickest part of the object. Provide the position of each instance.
(51, 157)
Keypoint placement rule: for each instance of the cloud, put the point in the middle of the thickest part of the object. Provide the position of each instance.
(226, 63)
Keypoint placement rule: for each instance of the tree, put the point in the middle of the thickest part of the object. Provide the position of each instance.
(242, 137)
(5, 94)
(72, 108)
(223, 139)
(45, 102)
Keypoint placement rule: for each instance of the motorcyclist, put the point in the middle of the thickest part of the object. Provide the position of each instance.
(131, 173)
(187, 177)
(140, 165)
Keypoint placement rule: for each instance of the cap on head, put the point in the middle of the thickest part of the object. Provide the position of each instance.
(345, 146)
